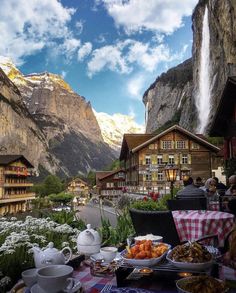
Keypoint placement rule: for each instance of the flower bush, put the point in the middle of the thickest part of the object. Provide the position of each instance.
(17, 237)
(153, 203)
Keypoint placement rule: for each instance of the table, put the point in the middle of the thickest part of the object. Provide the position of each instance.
(192, 225)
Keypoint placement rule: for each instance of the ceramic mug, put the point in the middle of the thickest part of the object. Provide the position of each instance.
(29, 277)
(108, 253)
(55, 278)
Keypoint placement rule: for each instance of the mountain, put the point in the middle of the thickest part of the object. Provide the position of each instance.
(114, 126)
(64, 118)
(174, 96)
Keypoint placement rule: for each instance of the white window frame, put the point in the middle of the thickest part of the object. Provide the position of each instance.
(171, 159)
(181, 144)
(166, 144)
(159, 159)
(147, 160)
(195, 146)
(160, 176)
(148, 177)
(184, 159)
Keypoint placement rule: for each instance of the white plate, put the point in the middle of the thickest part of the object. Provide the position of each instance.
(143, 262)
(151, 237)
(190, 266)
(98, 256)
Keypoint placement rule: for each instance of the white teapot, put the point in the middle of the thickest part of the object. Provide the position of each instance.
(88, 241)
(50, 256)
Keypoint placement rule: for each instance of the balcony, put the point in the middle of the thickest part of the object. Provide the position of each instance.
(16, 172)
(15, 184)
(17, 197)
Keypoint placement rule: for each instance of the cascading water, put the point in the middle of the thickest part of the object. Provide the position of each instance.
(146, 116)
(204, 87)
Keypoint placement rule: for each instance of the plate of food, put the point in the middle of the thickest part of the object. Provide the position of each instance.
(192, 256)
(145, 253)
(203, 284)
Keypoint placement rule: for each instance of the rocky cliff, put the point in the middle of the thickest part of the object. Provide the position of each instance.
(169, 99)
(65, 120)
(172, 98)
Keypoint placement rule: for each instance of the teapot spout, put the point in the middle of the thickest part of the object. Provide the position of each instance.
(36, 250)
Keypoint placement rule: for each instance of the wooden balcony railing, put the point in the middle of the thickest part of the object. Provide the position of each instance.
(17, 197)
(16, 184)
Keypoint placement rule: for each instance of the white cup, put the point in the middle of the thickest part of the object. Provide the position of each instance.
(55, 278)
(108, 253)
(29, 277)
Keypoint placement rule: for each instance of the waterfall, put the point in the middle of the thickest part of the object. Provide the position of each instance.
(204, 88)
(146, 116)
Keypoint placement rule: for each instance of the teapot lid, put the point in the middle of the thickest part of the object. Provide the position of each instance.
(89, 236)
(51, 248)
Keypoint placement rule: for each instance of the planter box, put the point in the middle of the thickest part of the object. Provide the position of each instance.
(157, 223)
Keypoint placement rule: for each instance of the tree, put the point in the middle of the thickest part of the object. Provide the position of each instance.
(62, 197)
(91, 177)
(52, 184)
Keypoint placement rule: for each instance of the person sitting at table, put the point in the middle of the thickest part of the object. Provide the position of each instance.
(232, 181)
(221, 188)
(198, 182)
(189, 190)
(210, 190)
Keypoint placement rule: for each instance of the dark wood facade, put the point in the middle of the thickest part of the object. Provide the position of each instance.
(110, 183)
(145, 162)
(224, 124)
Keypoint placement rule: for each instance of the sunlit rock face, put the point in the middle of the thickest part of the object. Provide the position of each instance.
(65, 119)
(164, 96)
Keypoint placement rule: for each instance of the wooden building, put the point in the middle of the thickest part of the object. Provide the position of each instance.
(15, 195)
(224, 123)
(110, 183)
(78, 187)
(145, 157)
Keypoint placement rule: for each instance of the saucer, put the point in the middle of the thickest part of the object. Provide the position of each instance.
(37, 289)
(98, 257)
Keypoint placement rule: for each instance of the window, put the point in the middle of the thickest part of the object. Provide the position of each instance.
(185, 159)
(151, 146)
(159, 159)
(110, 184)
(160, 176)
(171, 159)
(166, 144)
(180, 144)
(147, 160)
(148, 177)
(195, 146)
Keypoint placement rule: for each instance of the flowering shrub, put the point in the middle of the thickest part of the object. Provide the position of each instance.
(153, 203)
(17, 237)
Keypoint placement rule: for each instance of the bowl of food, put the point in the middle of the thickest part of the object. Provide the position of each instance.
(190, 256)
(145, 253)
(203, 284)
(154, 238)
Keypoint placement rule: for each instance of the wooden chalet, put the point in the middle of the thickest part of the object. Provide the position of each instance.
(15, 194)
(78, 187)
(110, 183)
(145, 157)
(224, 123)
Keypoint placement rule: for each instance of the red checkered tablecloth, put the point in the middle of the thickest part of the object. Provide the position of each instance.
(192, 225)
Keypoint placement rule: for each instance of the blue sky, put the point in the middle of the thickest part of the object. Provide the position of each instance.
(109, 51)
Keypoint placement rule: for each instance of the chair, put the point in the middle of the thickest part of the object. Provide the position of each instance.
(196, 203)
(159, 223)
(232, 206)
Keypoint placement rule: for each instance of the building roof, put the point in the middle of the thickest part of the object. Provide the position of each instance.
(7, 159)
(225, 110)
(180, 129)
(131, 141)
(100, 175)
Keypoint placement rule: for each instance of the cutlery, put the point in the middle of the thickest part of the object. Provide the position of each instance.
(106, 288)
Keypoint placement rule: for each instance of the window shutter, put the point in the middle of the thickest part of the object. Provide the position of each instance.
(176, 159)
(144, 177)
(186, 144)
(154, 159)
(180, 158)
(165, 158)
(172, 144)
(189, 159)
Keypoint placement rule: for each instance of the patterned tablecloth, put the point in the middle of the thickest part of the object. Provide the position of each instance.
(192, 225)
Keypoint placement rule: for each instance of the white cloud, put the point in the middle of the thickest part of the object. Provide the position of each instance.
(84, 51)
(63, 74)
(68, 48)
(79, 27)
(154, 15)
(27, 28)
(135, 87)
(107, 57)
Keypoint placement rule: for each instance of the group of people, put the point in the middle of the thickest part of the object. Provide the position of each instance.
(212, 188)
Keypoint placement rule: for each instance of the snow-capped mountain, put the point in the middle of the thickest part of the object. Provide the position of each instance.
(114, 126)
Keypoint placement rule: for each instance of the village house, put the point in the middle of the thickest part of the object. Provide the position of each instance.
(15, 194)
(110, 184)
(146, 155)
(78, 187)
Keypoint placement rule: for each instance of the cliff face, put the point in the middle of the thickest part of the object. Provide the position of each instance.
(19, 133)
(170, 100)
(222, 27)
(64, 119)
